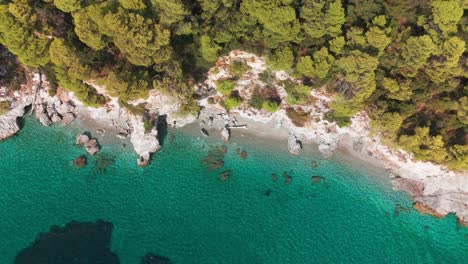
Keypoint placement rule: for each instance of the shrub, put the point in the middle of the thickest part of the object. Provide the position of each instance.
(211, 100)
(232, 102)
(297, 93)
(257, 100)
(4, 107)
(270, 106)
(266, 76)
(225, 86)
(238, 68)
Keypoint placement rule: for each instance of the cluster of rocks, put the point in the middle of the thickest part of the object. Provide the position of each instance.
(91, 144)
(294, 144)
(54, 111)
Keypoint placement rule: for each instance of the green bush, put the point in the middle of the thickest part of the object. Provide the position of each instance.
(297, 93)
(270, 106)
(4, 107)
(225, 86)
(238, 68)
(256, 101)
(232, 102)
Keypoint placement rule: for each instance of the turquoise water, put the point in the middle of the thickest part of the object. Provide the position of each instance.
(179, 209)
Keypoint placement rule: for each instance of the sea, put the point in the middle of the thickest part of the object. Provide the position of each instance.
(204, 201)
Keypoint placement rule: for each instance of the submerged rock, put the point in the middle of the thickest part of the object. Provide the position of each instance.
(224, 176)
(45, 120)
(82, 139)
(80, 162)
(316, 179)
(143, 160)
(102, 163)
(151, 258)
(67, 118)
(274, 177)
(287, 178)
(243, 154)
(215, 158)
(313, 164)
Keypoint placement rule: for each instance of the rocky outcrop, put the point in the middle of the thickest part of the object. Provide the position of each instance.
(294, 145)
(8, 126)
(144, 142)
(225, 134)
(91, 145)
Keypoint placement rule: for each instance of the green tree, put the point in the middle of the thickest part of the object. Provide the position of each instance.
(87, 30)
(282, 59)
(170, 11)
(415, 53)
(133, 4)
(304, 66)
(68, 6)
(323, 62)
(424, 146)
(208, 49)
(446, 65)
(396, 91)
(337, 44)
(447, 14)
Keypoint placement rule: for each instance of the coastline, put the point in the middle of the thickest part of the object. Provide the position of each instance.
(431, 186)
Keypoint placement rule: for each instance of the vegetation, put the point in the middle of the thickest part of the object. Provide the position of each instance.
(231, 102)
(403, 61)
(238, 68)
(225, 86)
(4, 107)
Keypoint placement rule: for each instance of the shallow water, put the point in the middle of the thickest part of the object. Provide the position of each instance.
(177, 208)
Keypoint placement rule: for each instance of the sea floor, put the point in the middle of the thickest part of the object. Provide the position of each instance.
(180, 208)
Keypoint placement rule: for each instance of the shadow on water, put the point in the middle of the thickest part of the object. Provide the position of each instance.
(161, 127)
(76, 242)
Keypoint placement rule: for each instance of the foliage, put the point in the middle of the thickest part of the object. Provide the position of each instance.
(238, 68)
(282, 59)
(424, 146)
(225, 86)
(297, 93)
(270, 106)
(231, 102)
(298, 116)
(4, 107)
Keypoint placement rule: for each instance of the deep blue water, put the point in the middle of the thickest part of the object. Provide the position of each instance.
(179, 209)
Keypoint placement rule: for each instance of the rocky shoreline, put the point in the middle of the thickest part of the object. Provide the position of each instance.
(434, 189)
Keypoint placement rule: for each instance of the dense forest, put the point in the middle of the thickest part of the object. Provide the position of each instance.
(404, 61)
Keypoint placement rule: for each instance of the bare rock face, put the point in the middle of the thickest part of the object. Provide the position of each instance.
(67, 118)
(294, 145)
(92, 146)
(225, 134)
(413, 187)
(56, 118)
(82, 139)
(8, 126)
(45, 120)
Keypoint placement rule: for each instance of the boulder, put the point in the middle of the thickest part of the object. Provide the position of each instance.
(243, 154)
(80, 162)
(412, 187)
(225, 134)
(92, 146)
(224, 176)
(56, 118)
(143, 160)
(67, 118)
(82, 139)
(8, 127)
(316, 179)
(294, 145)
(287, 178)
(45, 120)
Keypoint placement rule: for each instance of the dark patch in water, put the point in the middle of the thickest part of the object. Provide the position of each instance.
(400, 209)
(161, 127)
(268, 192)
(215, 158)
(151, 258)
(274, 177)
(75, 243)
(102, 162)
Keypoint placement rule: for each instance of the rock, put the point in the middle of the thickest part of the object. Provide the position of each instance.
(238, 151)
(424, 209)
(122, 135)
(316, 179)
(313, 164)
(82, 139)
(8, 126)
(80, 162)
(205, 132)
(103, 162)
(294, 145)
(243, 154)
(92, 146)
(64, 109)
(67, 118)
(225, 134)
(223, 149)
(358, 145)
(274, 177)
(287, 178)
(143, 160)
(224, 176)
(412, 187)
(56, 118)
(100, 131)
(45, 120)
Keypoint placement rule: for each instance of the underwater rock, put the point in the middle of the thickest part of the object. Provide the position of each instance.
(224, 149)
(287, 178)
(313, 164)
(151, 258)
(243, 154)
(76, 242)
(400, 209)
(316, 179)
(224, 176)
(238, 151)
(80, 162)
(143, 160)
(274, 177)
(102, 163)
(215, 158)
